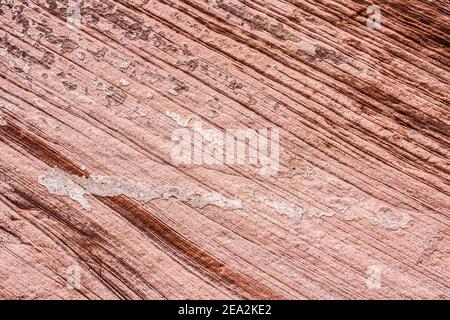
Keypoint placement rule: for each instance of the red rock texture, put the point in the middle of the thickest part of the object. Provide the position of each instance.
(92, 205)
